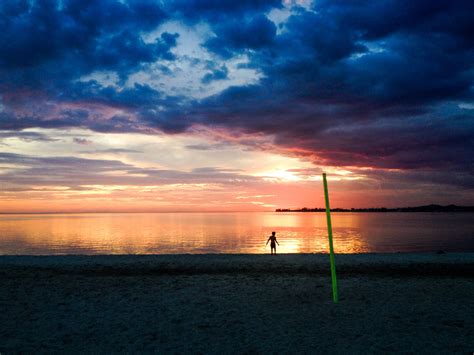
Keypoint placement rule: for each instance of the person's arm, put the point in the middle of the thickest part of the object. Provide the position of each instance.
(277, 242)
(267, 241)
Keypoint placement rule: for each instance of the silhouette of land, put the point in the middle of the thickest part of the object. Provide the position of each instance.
(426, 208)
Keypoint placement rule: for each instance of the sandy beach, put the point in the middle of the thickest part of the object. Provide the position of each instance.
(417, 303)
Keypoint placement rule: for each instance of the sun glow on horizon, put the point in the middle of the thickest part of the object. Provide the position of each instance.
(68, 170)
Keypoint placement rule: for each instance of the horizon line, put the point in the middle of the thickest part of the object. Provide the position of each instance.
(226, 211)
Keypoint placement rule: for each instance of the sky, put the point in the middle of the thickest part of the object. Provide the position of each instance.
(146, 105)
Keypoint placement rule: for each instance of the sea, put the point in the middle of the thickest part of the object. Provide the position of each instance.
(233, 232)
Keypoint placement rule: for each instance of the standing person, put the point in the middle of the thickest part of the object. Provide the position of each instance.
(273, 240)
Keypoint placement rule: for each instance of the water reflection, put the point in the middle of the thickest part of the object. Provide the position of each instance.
(164, 233)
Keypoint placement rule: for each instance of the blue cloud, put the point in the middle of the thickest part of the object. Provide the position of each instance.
(211, 11)
(359, 82)
(233, 36)
(216, 74)
(72, 38)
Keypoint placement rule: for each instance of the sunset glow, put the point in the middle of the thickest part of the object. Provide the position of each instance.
(198, 107)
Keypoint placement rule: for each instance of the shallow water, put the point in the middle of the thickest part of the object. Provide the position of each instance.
(171, 233)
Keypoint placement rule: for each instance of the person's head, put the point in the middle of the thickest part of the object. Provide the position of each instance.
(273, 233)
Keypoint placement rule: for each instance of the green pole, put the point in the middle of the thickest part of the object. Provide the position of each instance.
(331, 248)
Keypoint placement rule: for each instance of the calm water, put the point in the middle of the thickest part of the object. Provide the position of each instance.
(170, 233)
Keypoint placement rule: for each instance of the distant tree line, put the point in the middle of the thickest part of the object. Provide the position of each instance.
(427, 208)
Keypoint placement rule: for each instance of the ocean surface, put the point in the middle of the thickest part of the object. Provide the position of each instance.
(247, 232)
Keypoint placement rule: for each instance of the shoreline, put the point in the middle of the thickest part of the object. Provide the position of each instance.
(237, 303)
(350, 265)
(239, 262)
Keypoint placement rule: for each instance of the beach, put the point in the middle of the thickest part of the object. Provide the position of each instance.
(215, 303)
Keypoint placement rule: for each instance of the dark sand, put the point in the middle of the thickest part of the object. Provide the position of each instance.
(415, 303)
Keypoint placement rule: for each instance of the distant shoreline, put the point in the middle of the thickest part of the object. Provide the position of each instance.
(427, 208)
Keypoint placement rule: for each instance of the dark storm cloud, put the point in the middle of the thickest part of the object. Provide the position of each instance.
(235, 35)
(56, 41)
(191, 11)
(361, 83)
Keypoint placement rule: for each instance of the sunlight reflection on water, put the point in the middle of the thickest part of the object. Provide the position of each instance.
(171, 233)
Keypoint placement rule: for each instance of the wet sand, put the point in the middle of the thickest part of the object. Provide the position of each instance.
(237, 304)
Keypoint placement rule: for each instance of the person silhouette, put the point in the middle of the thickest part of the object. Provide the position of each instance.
(273, 240)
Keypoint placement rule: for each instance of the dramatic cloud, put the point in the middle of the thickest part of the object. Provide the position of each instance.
(236, 35)
(385, 87)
